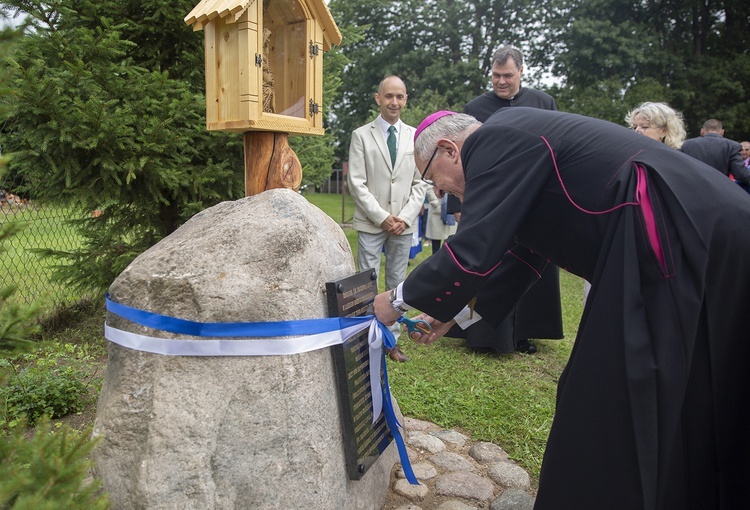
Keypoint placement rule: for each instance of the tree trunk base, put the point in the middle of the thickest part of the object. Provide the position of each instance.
(270, 162)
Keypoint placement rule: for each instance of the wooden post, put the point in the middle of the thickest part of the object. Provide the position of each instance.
(270, 162)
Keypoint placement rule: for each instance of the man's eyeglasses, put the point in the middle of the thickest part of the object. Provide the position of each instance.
(429, 162)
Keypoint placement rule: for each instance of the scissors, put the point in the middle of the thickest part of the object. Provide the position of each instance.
(415, 327)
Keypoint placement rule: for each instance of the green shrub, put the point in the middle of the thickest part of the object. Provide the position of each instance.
(49, 471)
(52, 381)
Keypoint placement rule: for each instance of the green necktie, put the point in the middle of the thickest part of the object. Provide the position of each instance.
(392, 144)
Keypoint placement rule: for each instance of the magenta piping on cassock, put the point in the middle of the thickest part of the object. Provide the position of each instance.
(642, 200)
(525, 262)
(462, 268)
(565, 190)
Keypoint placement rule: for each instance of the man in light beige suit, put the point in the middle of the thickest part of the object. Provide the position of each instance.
(386, 187)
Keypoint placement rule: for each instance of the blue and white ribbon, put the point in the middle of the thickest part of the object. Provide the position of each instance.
(252, 339)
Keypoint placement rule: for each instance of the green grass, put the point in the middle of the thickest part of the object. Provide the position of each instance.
(338, 207)
(505, 399)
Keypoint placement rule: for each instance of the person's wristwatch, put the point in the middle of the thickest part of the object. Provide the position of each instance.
(396, 304)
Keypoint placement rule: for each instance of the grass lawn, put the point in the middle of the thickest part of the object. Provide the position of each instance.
(506, 399)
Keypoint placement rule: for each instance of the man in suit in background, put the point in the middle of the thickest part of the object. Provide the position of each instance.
(716, 151)
(387, 189)
(538, 314)
(745, 153)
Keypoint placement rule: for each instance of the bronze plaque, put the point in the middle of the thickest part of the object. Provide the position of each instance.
(364, 441)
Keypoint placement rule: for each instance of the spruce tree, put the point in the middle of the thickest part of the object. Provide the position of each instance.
(49, 470)
(99, 122)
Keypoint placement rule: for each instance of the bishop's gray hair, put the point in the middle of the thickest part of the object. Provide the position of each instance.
(455, 127)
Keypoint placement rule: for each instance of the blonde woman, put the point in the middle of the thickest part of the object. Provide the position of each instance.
(658, 121)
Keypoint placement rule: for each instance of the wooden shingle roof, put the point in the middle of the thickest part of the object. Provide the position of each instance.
(207, 10)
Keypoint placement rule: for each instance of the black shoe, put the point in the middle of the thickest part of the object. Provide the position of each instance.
(525, 346)
(396, 355)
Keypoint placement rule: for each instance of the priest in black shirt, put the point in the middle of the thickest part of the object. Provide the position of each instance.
(538, 313)
(507, 70)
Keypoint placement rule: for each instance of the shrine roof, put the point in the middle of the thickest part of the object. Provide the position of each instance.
(208, 10)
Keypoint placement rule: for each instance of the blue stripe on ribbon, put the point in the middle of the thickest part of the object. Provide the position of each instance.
(231, 329)
(277, 329)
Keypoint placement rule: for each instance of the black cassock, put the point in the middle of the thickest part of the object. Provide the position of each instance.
(652, 408)
(538, 313)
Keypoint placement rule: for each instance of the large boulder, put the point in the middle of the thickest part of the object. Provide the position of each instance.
(245, 432)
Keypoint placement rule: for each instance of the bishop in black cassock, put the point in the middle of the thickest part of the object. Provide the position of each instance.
(652, 408)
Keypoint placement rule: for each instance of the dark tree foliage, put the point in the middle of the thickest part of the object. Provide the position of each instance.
(604, 56)
(613, 54)
(108, 115)
(49, 469)
(442, 49)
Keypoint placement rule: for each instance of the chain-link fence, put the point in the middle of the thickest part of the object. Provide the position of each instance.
(29, 272)
(336, 183)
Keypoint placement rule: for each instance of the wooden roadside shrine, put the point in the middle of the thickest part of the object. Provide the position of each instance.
(264, 78)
